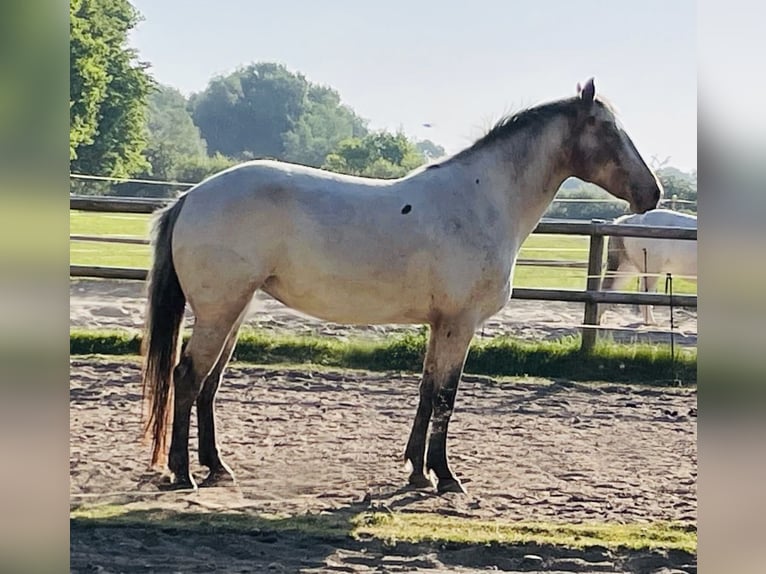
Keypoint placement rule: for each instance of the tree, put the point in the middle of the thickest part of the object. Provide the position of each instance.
(107, 90)
(194, 169)
(379, 154)
(681, 185)
(246, 114)
(264, 110)
(324, 123)
(173, 143)
(188, 169)
(430, 150)
(171, 133)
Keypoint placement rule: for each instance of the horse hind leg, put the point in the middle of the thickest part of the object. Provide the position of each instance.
(210, 335)
(208, 447)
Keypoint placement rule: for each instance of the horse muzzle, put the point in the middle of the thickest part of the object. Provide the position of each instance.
(642, 203)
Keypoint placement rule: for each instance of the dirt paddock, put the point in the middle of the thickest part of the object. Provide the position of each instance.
(331, 442)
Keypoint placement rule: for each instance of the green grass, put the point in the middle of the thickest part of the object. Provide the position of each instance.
(434, 528)
(109, 224)
(406, 527)
(501, 356)
(94, 223)
(568, 247)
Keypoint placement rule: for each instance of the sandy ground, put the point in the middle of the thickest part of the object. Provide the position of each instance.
(332, 442)
(303, 441)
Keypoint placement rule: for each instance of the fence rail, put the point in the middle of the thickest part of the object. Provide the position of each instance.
(591, 296)
(148, 205)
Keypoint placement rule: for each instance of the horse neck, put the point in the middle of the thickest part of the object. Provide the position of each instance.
(527, 168)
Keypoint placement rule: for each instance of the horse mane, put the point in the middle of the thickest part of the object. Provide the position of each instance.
(524, 119)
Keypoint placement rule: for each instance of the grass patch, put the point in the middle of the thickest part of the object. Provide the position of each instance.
(501, 356)
(104, 343)
(405, 527)
(95, 223)
(109, 224)
(410, 527)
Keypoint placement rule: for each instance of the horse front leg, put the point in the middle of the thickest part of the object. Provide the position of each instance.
(451, 344)
(416, 445)
(415, 452)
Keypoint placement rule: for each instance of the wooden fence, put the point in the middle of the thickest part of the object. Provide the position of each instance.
(591, 297)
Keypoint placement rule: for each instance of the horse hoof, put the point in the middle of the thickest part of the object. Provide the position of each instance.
(219, 477)
(178, 483)
(420, 480)
(450, 485)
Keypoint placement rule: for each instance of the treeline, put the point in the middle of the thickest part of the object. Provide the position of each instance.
(124, 124)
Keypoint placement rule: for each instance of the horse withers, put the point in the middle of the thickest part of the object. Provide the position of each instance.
(650, 258)
(437, 247)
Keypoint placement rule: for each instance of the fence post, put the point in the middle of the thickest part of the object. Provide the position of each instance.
(593, 283)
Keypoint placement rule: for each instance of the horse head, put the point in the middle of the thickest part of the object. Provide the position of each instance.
(603, 153)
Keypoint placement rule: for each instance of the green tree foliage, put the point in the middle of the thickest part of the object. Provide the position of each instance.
(430, 150)
(681, 185)
(247, 113)
(188, 169)
(264, 110)
(175, 151)
(193, 169)
(171, 133)
(108, 90)
(379, 154)
(324, 123)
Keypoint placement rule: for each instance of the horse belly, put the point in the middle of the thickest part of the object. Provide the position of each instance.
(351, 302)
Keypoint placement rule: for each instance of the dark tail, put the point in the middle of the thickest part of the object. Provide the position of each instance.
(615, 248)
(162, 331)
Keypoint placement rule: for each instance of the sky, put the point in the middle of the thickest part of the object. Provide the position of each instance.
(446, 70)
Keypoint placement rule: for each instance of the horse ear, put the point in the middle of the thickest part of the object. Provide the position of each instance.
(579, 88)
(588, 93)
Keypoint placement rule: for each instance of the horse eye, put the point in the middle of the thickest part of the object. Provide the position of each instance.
(591, 121)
